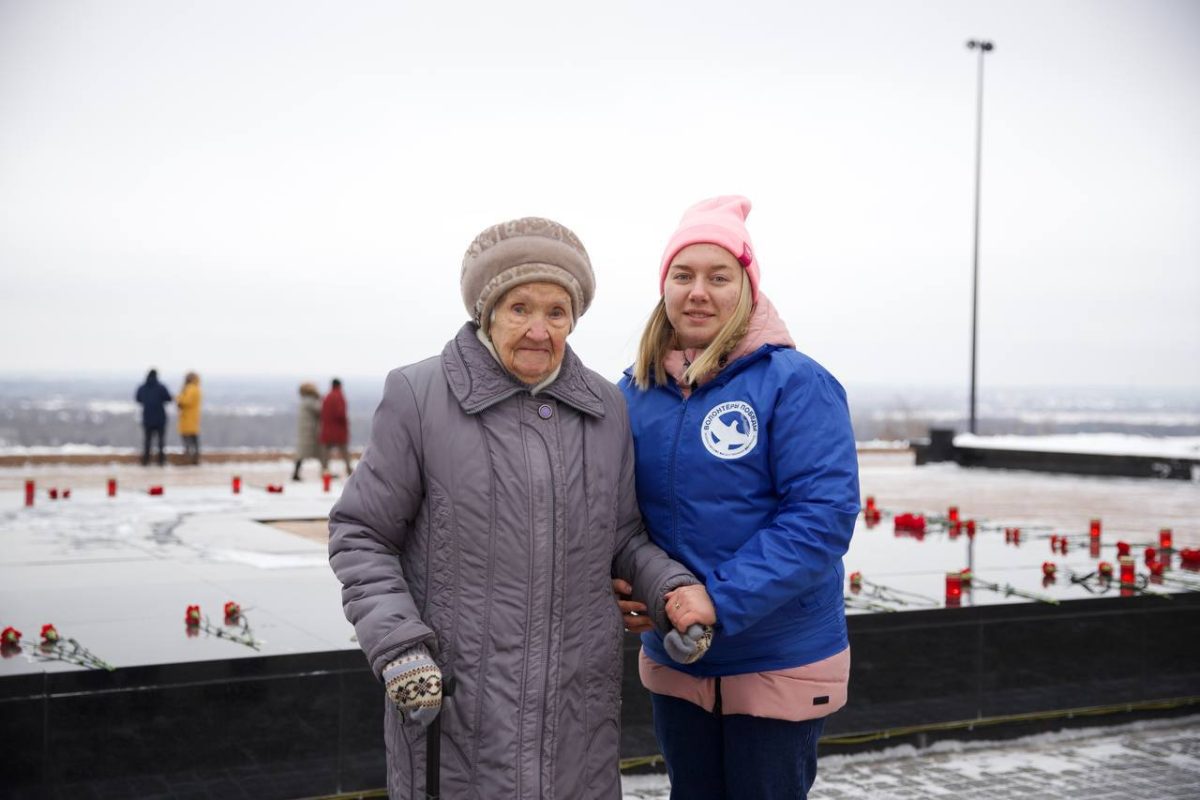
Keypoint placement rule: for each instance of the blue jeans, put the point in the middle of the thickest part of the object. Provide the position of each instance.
(736, 756)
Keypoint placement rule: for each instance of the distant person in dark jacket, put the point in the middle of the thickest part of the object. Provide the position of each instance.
(153, 396)
(335, 426)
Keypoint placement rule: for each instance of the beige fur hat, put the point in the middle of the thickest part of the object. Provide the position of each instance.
(524, 251)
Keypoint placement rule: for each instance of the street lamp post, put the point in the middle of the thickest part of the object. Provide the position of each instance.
(983, 46)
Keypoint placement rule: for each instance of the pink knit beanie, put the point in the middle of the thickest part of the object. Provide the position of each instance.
(720, 221)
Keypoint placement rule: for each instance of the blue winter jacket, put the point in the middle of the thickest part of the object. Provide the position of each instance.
(752, 482)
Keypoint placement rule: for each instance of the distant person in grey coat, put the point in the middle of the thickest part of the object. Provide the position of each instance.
(479, 537)
(308, 427)
(153, 397)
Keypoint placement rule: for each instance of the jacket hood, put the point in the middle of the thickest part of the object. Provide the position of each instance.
(478, 381)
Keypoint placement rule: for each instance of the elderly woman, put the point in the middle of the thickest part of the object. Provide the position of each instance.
(477, 540)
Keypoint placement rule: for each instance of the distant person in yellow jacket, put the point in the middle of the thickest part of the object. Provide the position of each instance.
(189, 418)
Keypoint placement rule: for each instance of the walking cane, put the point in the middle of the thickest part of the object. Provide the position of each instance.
(433, 746)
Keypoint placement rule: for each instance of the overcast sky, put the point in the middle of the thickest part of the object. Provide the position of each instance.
(288, 188)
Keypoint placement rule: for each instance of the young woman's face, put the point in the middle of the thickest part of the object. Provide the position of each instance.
(704, 284)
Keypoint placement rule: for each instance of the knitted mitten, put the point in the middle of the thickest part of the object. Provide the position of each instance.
(688, 647)
(414, 682)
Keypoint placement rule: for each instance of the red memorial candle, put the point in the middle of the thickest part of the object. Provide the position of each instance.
(30, 492)
(1127, 571)
(1165, 539)
(237, 484)
(112, 487)
(953, 588)
(326, 479)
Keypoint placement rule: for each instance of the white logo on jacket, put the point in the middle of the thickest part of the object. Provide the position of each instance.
(730, 430)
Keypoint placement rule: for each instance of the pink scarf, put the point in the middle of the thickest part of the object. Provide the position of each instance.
(766, 327)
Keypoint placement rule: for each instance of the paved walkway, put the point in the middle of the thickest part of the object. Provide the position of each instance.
(1155, 760)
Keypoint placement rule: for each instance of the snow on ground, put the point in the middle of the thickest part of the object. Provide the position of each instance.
(219, 542)
(104, 450)
(1094, 443)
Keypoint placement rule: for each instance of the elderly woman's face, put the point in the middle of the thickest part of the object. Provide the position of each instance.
(530, 330)
(703, 286)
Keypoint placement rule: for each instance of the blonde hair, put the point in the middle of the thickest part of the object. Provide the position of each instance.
(658, 339)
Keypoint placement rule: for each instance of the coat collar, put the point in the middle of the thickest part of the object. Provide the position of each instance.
(727, 373)
(479, 382)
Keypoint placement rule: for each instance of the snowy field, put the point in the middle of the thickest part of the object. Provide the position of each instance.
(1123, 444)
(199, 542)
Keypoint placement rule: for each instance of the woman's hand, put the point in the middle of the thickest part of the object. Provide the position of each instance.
(632, 611)
(690, 605)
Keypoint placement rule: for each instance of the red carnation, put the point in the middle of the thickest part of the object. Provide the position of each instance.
(10, 636)
(192, 618)
(49, 634)
(232, 610)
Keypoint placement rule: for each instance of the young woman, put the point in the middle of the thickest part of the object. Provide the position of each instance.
(747, 474)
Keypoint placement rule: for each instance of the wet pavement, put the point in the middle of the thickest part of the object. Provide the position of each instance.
(1152, 760)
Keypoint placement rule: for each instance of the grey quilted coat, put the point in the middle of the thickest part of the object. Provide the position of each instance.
(488, 523)
(308, 422)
